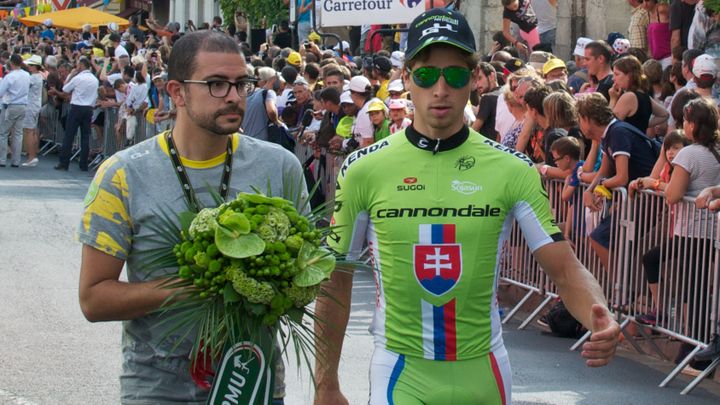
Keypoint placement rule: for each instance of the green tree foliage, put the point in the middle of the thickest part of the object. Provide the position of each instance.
(273, 10)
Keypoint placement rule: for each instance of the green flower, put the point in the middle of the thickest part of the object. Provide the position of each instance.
(204, 223)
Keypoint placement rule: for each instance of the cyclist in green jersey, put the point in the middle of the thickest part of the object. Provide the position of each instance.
(435, 204)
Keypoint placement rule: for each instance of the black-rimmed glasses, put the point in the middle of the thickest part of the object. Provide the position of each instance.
(221, 88)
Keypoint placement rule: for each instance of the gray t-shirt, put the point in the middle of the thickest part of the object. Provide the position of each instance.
(704, 171)
(122, 209)
(256, 120)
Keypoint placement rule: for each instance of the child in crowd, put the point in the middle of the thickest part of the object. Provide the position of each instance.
(566, 152)
(378, 117)
(398, 115)
(672, 144)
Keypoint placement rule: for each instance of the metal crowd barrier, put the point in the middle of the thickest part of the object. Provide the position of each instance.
(686, 304)
(689, 278)
(114, 142)
(50, 129)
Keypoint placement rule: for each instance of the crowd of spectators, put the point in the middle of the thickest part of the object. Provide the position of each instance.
(618, 112)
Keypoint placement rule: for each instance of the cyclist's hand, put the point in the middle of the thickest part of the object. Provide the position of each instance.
(330, 397)
(604, 339)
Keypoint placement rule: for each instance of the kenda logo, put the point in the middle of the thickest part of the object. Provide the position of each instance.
(465, 187)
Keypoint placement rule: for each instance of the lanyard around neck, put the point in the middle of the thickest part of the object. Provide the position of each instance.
(190, 196)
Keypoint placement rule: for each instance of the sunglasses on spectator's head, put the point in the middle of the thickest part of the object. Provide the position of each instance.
(456, 77)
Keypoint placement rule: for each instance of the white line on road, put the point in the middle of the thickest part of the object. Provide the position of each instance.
(13, 398)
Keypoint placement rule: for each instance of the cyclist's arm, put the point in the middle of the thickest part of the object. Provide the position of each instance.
(584, 299)
(576, 285)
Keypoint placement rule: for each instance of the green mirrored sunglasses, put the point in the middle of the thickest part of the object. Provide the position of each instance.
(455, 76)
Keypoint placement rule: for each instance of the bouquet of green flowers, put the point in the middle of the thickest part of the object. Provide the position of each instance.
(247, 270)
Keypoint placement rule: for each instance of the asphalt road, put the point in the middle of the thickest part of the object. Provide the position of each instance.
(49, 354)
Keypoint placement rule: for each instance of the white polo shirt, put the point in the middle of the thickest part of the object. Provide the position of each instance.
(84, 89)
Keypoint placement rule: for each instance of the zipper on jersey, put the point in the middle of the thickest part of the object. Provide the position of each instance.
(437, 146)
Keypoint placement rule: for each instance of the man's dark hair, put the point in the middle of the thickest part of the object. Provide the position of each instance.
(312, 70)
(534, 97)
(335, 72)
(128, 71)
(183, 59)
(16, 60)
(600, 48)
(289, 74)
(85, 62)
(330, 94)
(114, 37)
(486, 68)
(688, 57)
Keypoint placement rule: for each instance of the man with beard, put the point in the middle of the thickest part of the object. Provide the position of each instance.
(161, 177)
(489, 91)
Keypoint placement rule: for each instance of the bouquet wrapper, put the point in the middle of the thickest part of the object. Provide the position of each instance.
(246, 372)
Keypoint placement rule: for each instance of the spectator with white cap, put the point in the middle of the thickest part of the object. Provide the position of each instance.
(398, 115)
(30, 124)
(360, 91)
(342, 48)
(396, 90)
(397, 58)
(580, 77)
(705, 71)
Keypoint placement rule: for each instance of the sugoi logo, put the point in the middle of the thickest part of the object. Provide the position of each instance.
(465, 187)
(410, 184)
(411, 3)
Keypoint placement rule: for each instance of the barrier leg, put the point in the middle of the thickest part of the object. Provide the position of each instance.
(679, 367)
(516, 308)
(535, 312)
(701, 376)
(651, 342)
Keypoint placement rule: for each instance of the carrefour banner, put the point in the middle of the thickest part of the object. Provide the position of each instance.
(373, 12)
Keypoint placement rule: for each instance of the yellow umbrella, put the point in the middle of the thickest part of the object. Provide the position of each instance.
(75, 18)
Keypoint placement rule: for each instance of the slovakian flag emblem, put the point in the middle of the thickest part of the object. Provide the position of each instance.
(437, 258)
